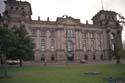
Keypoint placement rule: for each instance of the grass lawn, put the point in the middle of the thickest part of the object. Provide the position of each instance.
(65, 74)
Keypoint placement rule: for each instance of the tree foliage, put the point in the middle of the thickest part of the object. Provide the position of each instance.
(6, 40)
(118, 47)
(22, 43)
(16, 44)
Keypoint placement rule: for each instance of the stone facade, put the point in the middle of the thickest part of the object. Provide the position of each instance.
(66, 39)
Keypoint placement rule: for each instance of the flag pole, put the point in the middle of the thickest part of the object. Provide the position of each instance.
(102, 4)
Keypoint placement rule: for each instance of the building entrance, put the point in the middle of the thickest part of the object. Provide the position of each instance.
(70, 56)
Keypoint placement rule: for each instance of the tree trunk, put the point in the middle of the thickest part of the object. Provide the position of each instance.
(118, 59)
(21, 63)
(4, 66)
(5, 70)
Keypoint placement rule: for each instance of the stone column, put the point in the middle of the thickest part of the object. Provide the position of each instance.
(77, 40)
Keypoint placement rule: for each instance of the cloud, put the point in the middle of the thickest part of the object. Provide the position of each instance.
(82, 9)
(2, 6)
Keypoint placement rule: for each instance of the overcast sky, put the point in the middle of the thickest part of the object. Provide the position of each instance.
(82, 9)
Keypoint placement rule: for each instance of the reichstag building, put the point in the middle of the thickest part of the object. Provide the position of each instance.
(66, 39)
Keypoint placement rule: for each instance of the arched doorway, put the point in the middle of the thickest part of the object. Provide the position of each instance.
(70, 56)
(94, 57)
(52, 58)
(86, 57)
(70, 52)
(101, 57)
(42, 57)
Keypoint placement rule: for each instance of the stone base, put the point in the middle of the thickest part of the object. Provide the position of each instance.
(61, 56)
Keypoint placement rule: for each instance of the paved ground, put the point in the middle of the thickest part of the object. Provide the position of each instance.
(66, 63)
(32, 63)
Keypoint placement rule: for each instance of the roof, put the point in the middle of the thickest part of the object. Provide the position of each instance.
(103, 12)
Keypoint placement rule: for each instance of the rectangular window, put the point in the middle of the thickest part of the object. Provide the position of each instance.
(84, 42)
(92, 45)
(52, 34)
(43, 44)
(84, 45)
(99, 44)
(52, 44)
(84, 35)
(69, 33)
(91, 35)
(43, 33)
(92, 48)
(84, 49)
(92, 42)
(98, 36)
(43, 48)
(70, 46)
(33, 40)
(113, 47)
(34, 33)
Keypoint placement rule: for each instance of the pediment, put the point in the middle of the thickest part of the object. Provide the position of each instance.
(67, 20)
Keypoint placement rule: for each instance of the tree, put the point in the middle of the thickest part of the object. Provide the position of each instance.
(15, 44)
(118, 47)
(5, 46)
(121, 19)
(23, 46)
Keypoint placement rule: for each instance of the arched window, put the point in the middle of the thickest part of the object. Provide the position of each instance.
(17, 8)
(69, 46)
(113, 47)
(112, 36)
(23, 13)
(11, 7)
(22, 8)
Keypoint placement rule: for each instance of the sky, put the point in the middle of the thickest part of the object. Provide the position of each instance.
(82, 9)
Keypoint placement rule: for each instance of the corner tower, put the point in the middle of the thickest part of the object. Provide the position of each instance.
(107, 20)
(18, 10)
(103, 17)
